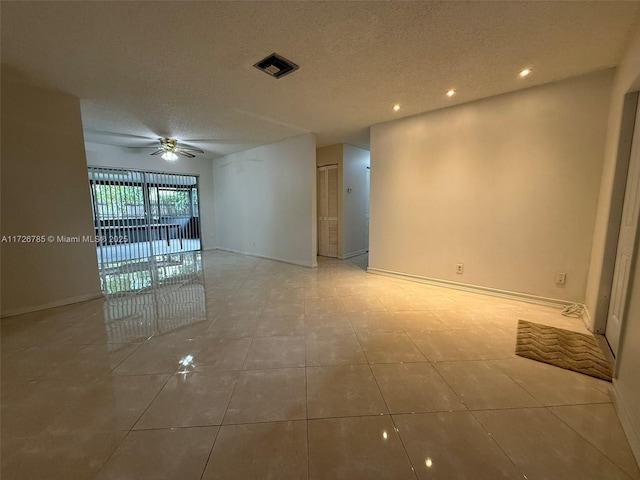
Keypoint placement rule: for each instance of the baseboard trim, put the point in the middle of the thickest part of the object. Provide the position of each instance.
(588, 321)
(300, 263)
(494, 292)
(630, 425)
(57, 303)
(353, 254)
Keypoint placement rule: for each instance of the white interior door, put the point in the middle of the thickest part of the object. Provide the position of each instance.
(327, 178)
(626, 242)
(367, 187)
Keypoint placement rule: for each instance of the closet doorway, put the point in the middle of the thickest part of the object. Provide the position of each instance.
(327, 178)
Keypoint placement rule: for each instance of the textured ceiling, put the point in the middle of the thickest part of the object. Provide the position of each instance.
(184, 69)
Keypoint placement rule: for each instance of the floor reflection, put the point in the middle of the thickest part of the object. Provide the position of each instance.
(331, 371)
(153, 295)
(142, 250)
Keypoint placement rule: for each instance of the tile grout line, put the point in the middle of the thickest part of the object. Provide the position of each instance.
(395, 427)
(306, 400)
(515, 465)
(152, 400)
(548, 408)
(206, 464)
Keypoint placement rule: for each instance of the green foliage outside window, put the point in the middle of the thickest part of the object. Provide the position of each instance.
(127, 201)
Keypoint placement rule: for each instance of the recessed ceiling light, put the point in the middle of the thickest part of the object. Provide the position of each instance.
(451, 93)
(396, 107)
(525, 72)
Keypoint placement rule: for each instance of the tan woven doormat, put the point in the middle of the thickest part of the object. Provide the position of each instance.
(563, 348)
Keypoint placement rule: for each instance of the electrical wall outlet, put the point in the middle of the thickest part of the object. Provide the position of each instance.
(459, 268)
(561, 278)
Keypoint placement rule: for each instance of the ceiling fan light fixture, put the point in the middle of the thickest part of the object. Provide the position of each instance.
(169, 149)
(169, 156)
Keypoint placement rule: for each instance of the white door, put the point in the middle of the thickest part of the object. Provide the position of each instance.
(626, 242)
(327, 178)
(366, 211)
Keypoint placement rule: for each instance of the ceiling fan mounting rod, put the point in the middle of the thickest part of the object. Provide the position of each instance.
(169, 144)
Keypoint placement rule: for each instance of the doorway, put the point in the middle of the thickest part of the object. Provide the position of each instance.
(327, 178)
(367, 190)
(626, 240)
(139, 214)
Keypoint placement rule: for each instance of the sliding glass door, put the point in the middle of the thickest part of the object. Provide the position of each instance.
(140, 215)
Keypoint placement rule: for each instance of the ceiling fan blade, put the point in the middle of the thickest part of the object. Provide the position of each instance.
(150, 146)
(92, 131)
(186, 154)
(158, 152)
(230, 141)
(191, 149)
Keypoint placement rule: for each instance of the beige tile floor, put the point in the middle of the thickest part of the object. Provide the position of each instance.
(282, 372)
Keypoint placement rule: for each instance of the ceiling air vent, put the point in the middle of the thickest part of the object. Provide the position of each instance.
(276, 66)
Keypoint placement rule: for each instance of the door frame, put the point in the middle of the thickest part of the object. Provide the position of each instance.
(627, 126)
(627, 240)
(325, 168)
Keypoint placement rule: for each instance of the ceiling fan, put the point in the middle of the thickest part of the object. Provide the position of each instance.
(169, 148)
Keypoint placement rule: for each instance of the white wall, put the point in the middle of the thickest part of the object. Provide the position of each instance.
(265, 201)
(506, 185)
(627, 381)
(99, 155)
(44, 192)
(354, 230)
(331, 155)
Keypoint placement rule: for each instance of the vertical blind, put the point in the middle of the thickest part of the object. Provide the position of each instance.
(139, 216)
